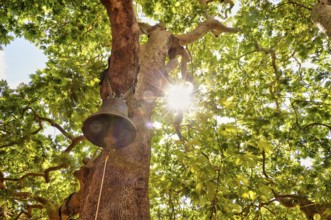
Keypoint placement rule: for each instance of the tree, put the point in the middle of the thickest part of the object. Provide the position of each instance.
(263, 108)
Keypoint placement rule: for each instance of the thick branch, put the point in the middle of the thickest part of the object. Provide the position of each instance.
(144, 28)
(71, 205)
(209, 25)
(52, 210)
(47, 171)
(28, 213)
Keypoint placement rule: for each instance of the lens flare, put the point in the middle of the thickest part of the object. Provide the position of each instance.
(179, 97)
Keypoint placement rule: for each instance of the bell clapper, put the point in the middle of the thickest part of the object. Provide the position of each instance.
(109, 141)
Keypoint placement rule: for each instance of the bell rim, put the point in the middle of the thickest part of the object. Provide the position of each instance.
(117, 146)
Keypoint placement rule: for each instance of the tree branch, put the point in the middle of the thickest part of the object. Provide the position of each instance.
(52, 210)
(75, 141)
(267, 203)
(209, 25)
(308, 207)
(273, 57)
(48, 170)
(54, 124)
(144, 28)
(40, 119)
(316, 124)
(272, 88)
(28, 213)
(45, 174)
(298, 4)
(70, 206)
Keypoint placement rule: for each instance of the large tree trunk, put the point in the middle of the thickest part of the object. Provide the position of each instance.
(121, 176)
(125, 182)
(125, 188)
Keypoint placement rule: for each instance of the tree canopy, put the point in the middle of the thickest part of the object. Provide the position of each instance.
(256, 144)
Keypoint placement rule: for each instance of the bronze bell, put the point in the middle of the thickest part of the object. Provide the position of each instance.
(110, 125)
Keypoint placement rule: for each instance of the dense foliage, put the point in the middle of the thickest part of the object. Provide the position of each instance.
(262, 111)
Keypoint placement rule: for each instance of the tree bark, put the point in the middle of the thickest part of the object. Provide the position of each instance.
(125, 181)
(115, 185)
(124, 60)
(125, 188)
(321, 15)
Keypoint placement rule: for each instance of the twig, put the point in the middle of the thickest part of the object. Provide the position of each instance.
(296, 114)
(298, 62)
(316, 123)
(272, 53)
(267, 203)
(300, 5)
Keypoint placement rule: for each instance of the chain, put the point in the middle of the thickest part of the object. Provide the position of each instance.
(111, 94)
(109, 90)
(127, 93)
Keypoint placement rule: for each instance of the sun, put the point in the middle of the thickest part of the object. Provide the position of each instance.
(179, 97)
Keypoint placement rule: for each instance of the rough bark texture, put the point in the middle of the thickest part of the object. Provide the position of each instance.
(125, 187)
(124, 60)
(212, 25)
(321, 15)
(124, 193)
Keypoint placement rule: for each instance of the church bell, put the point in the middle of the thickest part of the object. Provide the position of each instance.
(110, 126)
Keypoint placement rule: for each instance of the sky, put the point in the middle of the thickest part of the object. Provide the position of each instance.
(18, 60)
